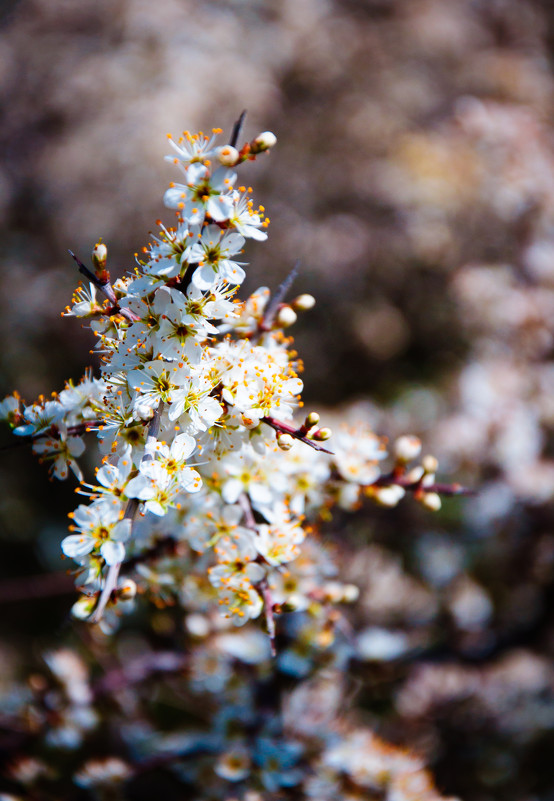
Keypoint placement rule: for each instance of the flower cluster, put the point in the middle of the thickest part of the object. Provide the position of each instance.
(210, 494)
(202, 462)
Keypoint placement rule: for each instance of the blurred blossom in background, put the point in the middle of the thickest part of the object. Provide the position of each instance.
(414, 180)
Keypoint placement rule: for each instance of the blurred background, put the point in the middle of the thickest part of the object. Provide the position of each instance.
(414, 179)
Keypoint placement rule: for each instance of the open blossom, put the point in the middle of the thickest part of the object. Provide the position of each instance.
(358, 453)
(180, 332)
(192, 148)
(278, 542)
(158, 485)
(192, 402)
(247, 221)
(203, 193)
(39, 418)
(212, 252)
(85, 303)
(62, 453)
(101, 528)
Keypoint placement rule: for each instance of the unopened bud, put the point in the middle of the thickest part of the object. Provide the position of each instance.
(322, 434)
(84, 607)
(227, 155)
(325, 638)
(127, 590)
(432, 501)
(312, 419)
(414, 475)
(430, 463)
(285, 441)
(286, 317)
(350, 593)
(294, 603)
(407, 448)
(333, 591)
(389, 496)
(263, 142)
(197, 625)
(304, 302)
(99, 256)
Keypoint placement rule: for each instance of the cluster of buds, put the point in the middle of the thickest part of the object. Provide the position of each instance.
(202, 463)
(418, 479)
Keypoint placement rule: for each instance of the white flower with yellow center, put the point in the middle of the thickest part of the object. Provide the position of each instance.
(204, 193)
(100, 528)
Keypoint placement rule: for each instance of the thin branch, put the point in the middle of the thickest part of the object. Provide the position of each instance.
(268, 611)
(106, 288)
(130, 512)
(235, 133)
(266, 323)
(297, 433)
(418, 486)
(244, 503)
(53, 432)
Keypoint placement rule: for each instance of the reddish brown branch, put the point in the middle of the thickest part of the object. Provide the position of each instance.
(297, 433)
(417, 486)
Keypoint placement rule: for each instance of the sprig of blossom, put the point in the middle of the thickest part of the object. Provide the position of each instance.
(194, 417)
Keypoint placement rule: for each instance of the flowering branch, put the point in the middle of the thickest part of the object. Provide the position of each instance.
(172, 389)
(297, 433)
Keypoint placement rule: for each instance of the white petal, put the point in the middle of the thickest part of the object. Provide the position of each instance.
(77, 545)
(113, 552)
(232, 490)
(121, 531)
(182, 446)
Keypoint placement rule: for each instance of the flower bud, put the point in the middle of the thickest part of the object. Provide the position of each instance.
(432, 501)
(312, 419)
(414, 475)
(263, 142)
(294, 603)
(303, 302)
(227, 155)
(322, 434)
(99, 256)
(286, 317)
(407, 448)
(389, 496)
(430, 463)
(127, 590)
(285, 441)
(350, 593)
(198, 625)
(333, 591)
(83, 608)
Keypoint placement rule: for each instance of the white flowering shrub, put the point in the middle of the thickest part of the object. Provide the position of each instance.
(210, 495)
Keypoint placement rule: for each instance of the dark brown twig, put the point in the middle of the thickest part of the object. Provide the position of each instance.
(235, 133)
